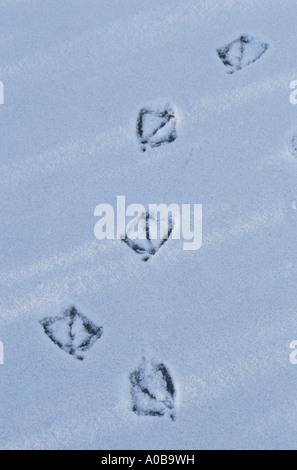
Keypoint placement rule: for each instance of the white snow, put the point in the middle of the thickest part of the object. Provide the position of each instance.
(220, 319)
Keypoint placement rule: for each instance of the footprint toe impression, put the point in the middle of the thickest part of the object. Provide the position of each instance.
(156, 127)
(241, 53)
(152, 390)
(148, 239)
(72, 332)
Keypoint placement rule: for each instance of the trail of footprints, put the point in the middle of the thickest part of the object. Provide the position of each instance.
(152, 390)
(152, 387)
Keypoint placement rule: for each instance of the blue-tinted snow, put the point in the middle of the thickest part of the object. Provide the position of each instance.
(221, 318)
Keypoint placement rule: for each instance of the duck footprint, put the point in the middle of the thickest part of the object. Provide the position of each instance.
(152, 390)
(72, 332)
(152, 233)
(241, 53)
(156, 127)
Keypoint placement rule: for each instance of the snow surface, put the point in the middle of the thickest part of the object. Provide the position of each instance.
(220, 319)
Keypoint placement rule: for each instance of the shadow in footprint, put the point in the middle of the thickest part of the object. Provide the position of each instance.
(152, 233)
(241, 53)
(156, 127)
(72, 332)
(152, 390)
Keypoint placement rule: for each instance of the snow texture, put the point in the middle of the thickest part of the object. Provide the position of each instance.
(87, 85)
(293, 146)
